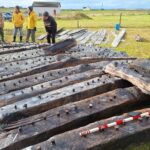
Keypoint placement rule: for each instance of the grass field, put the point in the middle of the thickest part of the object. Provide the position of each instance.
(136, 22)
(139, 147)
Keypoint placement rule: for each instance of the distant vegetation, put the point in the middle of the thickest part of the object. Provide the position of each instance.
(136, 22)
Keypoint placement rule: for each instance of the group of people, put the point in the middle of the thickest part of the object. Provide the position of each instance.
(18, 21)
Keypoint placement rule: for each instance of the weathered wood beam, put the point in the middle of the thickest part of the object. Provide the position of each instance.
(72, 93)
(19, 67)
(103, 52)
(142, 66)
(100, 55)
(38, 128)
(79, 39)
(97, 37)
(102, 37)
(60, 30)
(10, 45)
(132, 75)
(60, 61)
(20, 47)
(71, 34)
(118, 38)
(77, 31)
(60, 47)
(48, 86)
(119, 138)
(63, 33)
(88, 37)
(17, 56)
(30, 80)
(22, 68)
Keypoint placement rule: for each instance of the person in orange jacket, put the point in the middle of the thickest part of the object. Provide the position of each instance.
(18, 20)
(31, 24)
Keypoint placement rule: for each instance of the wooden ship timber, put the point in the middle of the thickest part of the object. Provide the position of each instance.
(72, 97)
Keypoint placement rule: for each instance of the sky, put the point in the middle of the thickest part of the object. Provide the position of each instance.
(79, 4)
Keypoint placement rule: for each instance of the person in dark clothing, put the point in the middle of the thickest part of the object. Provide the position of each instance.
(50, 27)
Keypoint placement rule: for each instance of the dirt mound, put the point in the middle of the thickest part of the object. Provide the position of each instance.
(77, 16)
(81, 16)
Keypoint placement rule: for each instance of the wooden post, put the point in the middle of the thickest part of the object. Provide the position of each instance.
(78, 24)
(120, 19)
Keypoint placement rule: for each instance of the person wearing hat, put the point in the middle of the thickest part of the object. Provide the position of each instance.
(50, 27)
(18, 20)
(31, 24)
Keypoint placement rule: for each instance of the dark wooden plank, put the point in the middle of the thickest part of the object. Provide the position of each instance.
(63, 33)
(100, 55)
(60, 47)
(48, 86)
(10, 45)
(30, 80)
(72, 93)
(110, 139)
(37, 129)
(19, 67)
(60, 30)
(76, 31)
(107, 52)
(123, 70)
(62, 61)
(142, 66)
(16, 56)
(11, 48)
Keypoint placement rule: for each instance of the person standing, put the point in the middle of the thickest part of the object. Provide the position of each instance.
(1, 27)
(50, 27)
(18, 20)
(31, 24)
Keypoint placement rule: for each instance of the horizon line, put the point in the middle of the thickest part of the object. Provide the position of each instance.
(87, 10)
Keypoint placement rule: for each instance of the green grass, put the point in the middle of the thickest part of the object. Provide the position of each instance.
(142, 146)
(136, 22)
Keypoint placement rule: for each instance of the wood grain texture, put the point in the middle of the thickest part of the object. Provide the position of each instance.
(136, 78)
(42, 126)
(68, 94)
(109, 139)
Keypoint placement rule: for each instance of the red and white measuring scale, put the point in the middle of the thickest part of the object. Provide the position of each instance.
(113, 124)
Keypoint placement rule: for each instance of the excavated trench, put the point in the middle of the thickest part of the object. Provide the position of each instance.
(45, 105)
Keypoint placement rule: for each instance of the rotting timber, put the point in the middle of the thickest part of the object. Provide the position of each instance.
(49, 94)
(110, 139)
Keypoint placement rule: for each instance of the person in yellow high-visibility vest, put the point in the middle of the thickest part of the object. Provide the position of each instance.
(18, 20)
(31, 24)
